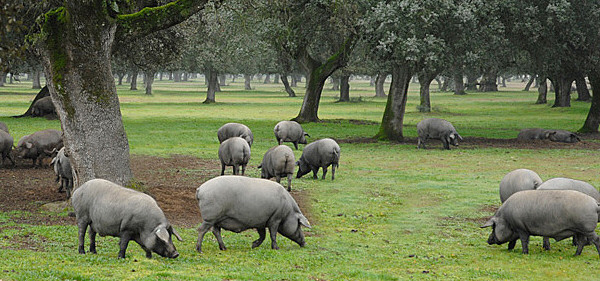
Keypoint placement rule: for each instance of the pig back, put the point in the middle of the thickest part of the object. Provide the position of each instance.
(571, 184)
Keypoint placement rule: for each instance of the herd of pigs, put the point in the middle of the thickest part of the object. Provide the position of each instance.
(558, 208)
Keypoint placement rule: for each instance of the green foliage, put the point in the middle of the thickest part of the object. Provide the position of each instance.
(393, 212)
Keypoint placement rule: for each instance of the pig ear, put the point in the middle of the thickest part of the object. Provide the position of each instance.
(259, 166)
(459, 137)
(452, 136)
(162, 233)
(489, 223)
(306, 134)
(28, 145)
(575, 136)
(175, 233)
(303, 221)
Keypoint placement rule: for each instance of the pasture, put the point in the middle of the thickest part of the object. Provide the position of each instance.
(393, 212)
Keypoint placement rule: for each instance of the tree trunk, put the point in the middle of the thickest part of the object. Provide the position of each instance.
(503, 79)
(286, 84)
(593, 118)
(149, 80)
(542, 90)
(529, 83)
(44, 92)
(222, 80)
(171, 76)
(2, 78)
(583, 94)
(213, 83)
(134, 76)
(267, 79)
(344, 88)
(439, 82)
(445, 84)
(393, 116)
(177, 76)
(247, 79)
(471, 82)
(562, 91)
(295, 80)
(160, 76)
(120, 76)
(276, 79)
(379, 82)
(185, 77)
(459, 85)
(488, 82)
(335, 81)
(372, 81)
(425, 82)
(36, 79)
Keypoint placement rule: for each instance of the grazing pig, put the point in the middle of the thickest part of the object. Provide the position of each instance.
(39, 145)
(237, 203)
(62, 169)
(317, 154)
(235, 130)
(290, 131)
(234, 152)
(533, 134)
(518, 180)
(440, 129)
(3, 127)
(278, 162)
(43, 107)
(110, 209)
(563, 136)
(557, 214)
(6, 145)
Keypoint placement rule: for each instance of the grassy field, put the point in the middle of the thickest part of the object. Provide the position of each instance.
(393, 212)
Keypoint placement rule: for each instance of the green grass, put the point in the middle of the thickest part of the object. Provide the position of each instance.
(393, 212)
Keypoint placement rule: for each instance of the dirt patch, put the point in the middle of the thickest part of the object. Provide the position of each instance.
(171, 181)
(478, 142)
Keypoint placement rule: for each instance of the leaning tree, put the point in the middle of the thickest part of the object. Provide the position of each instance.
(76, 42)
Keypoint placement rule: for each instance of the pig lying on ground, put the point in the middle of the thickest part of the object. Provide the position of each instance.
(3, 127)
(235, 130)
(234, 152)
(237, 203)
(518, 180)
(319, 154)
(543, 134)
(290, 131)
(62, 169)
(440, 129)
(6, 145)
(557, 214)
(43, 107)
(278, 162)
(110, 209)
(39, 145)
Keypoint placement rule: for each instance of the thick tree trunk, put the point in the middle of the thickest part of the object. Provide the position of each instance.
(529, 83)
(562, 91)
(344, 88)
(222, 80)
(335, 83)
(425, 82)
(583, 94)
(276, 79)
(295, 80)
(286, 84)
(2, 78)
(542, 90)
(471, 82)
(247, 79)
(593, 118)
(77, 53)
(148, 81)
(488, 82)
(379, 82)
(445, 84)
(213, 83)
(185, 76)
(459, 85)
(439, 82)
(160, 76)
(36, 79)
(267, 79)
(134, 76)
(120, 76)
(503, 80)
(393, 116)
(177, 76)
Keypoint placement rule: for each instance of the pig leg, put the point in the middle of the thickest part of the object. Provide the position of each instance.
(261, 237)
(217, 232)
(222, 169)
(546, 243)
(243, 169)
(324, 172)
(204, 227)
(314, 170)
(594, 239)
(524, 241)
(82, 228)
(92, 241)
(148, 251)
(296, 145)
(273, 227)
(289, 177)
(511, 244)
(580, 244)
(236, 169)
(333, 171)
(278, 178)
(445, 142)
(123, 243)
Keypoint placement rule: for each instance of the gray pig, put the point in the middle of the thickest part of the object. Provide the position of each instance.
(279, 161)
(237, 203)
(568, 184)
(235, 130)
(113, 210)
(317, 154)
(3, 127)
(440, 129)
(6, 145)
(557, 214)
(43, 107)
(563, 136)
(533, 134)
(39, 145)
(518, 180)
(290, 131)
(62, 169)
(234, 152)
